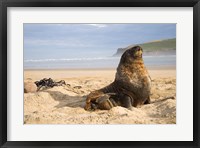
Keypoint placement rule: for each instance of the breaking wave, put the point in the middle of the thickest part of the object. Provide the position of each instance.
(70, 59)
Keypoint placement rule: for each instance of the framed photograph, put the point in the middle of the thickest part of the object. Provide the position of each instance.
(103, 73)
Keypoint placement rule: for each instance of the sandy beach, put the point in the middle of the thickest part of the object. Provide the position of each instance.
(64, 104)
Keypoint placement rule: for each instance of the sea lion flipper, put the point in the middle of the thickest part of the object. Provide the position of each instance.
(100, 101)
(92, 97)
(126, 101)
(104, 102)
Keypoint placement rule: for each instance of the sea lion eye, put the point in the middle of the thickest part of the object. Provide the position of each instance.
(140, 49)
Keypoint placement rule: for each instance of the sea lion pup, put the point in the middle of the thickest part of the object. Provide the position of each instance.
(130, 88)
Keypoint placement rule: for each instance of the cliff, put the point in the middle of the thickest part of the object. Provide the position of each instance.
(167, 46)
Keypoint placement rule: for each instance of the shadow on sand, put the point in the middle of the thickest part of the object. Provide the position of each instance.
(66, 100)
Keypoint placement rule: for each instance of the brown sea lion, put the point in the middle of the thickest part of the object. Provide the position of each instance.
(130, 88)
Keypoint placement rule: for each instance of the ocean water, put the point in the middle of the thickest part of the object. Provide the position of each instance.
(96, 62)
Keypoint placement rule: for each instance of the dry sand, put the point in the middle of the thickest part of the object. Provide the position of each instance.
(64, 104)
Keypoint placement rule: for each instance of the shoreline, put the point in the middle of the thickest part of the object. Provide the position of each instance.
(85, 69)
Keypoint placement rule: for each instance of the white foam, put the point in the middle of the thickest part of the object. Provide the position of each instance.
(71, 59)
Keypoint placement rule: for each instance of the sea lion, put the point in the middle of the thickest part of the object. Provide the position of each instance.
(130, 88)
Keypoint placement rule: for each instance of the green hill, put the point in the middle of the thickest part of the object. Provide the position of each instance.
(167, 45)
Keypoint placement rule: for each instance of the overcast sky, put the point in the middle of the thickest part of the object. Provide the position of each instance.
(53, 41)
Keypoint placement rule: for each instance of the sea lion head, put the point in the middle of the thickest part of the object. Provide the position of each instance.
(132, 54)
(136, 51)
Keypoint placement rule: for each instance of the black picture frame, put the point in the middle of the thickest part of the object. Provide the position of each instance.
(4, 4)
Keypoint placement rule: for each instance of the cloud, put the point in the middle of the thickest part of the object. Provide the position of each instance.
(98, 25)
(58, 43)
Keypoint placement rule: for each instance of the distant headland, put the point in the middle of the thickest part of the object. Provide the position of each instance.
(158, 47)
